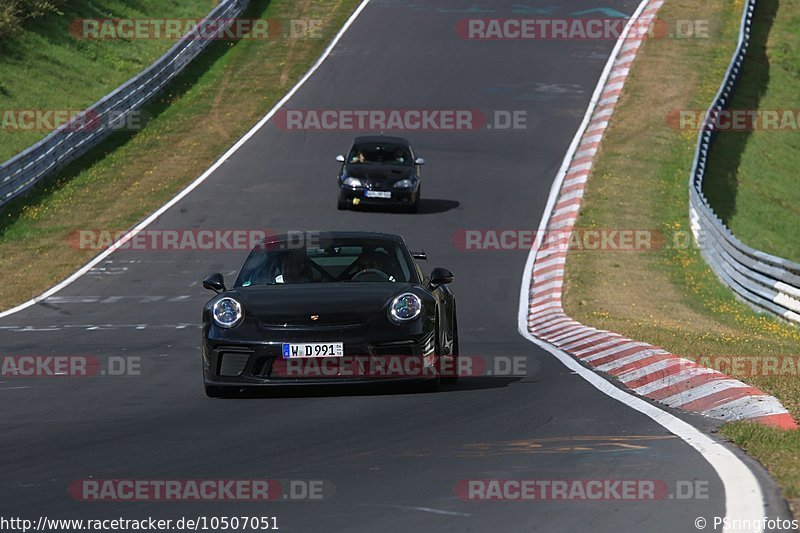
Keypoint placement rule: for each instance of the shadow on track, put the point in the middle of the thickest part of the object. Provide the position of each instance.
(371, 389)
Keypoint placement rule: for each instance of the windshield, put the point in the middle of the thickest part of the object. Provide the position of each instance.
(380, 153)
(338, 260)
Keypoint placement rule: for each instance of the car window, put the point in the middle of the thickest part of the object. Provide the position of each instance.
(337, 261)
(380, 153)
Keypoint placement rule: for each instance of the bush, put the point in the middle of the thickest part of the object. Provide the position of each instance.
(14, 12)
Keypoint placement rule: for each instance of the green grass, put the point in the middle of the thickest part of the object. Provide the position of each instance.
(15, 13)
(202, 113)
(752, 181)
(44, 67)
(669, 297)
(780, 450)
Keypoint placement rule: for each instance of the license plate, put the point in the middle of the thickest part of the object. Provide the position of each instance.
(378, 194)
(305, 350)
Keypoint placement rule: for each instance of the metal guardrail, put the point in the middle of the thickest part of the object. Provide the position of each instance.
(87, 129)
(764, 281)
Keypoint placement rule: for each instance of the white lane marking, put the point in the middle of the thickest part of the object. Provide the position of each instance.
(197, 182)
(106, 272)
(96, 327)
(436, 511)
(743, 494)
(64, 300)
(424, 509)
(58, 300)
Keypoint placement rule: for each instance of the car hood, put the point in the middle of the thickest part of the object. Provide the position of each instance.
(332, 303)
(379, 175)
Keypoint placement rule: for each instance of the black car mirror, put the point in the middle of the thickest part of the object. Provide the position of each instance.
(441, 276)
(214, 282)
(419, 161)
(340, 158)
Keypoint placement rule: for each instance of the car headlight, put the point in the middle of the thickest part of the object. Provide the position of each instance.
(404, 184)
(352, 182)
(406, 307)
(227, 312)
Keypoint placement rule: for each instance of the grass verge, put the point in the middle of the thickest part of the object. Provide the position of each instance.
(203, 112)
(752, 178)
(46, 56)
(668, 296)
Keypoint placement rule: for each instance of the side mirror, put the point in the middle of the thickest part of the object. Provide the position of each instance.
(419, 161)
(340, 158)
(214, 282)
(441, 276)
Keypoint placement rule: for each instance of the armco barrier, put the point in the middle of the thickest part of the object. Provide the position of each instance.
(764, 281)
(70, 141)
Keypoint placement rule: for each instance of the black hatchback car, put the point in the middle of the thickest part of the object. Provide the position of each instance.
(380, 171)
(336, 308)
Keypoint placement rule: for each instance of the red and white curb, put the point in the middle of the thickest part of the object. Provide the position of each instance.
(647, 370)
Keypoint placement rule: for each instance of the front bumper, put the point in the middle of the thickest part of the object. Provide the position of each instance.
(240, 362)
(359, 196)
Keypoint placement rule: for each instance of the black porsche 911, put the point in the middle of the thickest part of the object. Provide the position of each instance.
(336, 307)
(381, 171)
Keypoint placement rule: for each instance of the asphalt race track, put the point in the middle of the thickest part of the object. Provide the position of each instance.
(389, 460)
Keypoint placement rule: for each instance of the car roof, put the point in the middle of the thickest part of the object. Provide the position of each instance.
(381, 138)
(322, 235)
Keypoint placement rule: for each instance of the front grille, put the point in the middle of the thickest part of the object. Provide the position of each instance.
(233, 363)
(313, 327)
(395, 349)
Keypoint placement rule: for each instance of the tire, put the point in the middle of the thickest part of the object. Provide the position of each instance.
(414, 208)
(432, 385)
(454, 378)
